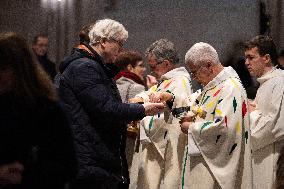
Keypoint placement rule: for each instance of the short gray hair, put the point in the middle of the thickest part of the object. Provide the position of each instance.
(201, 52)
(163, 49)
(109, 29)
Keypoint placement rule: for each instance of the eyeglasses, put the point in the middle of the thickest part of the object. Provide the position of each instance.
(155, 65)
(120, 43)
(194, 73)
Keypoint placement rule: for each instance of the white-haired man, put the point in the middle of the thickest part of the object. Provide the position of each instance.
(218, 153)
(159, 160)
(97, 115)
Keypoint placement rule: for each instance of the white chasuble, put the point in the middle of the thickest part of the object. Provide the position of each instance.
(222, 155)
(158, 163)
(267, 128)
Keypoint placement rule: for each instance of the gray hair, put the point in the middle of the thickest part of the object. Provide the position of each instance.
(109, 29)
(163, 49)
(201, 52)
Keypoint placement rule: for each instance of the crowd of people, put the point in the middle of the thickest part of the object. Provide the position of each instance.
(101, 122)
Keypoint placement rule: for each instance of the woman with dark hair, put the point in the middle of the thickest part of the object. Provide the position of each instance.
(35, 140)
(130, 80)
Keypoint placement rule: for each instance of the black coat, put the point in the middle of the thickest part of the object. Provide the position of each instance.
(39, 137)
(97, 115)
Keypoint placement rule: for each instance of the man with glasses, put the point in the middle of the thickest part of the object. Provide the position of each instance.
(158, 162)
(218, 153)
(266, 111)
(96, 113)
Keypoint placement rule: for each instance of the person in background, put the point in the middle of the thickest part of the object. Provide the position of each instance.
(35, 139)
(130, 81)
(40, 45)
(97, 115)
(266, 111)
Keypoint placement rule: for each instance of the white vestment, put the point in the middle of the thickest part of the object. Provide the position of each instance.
(219, 152)
(267, 128)
(158, 163)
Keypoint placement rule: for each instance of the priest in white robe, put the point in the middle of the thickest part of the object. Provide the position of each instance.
(266, 111)
(158, 163)
(219, 151)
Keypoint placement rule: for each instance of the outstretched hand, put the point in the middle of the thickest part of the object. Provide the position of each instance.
(153, 108)
(251, 105)
(151, 81)
(160, 97)
(136, 100)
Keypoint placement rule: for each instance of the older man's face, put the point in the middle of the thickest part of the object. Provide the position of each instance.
(112, 48)
(199, 73)
(157, 67)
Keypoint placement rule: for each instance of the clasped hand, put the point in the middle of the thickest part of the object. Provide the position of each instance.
(185, 123)
(251, 105)
(160, 97)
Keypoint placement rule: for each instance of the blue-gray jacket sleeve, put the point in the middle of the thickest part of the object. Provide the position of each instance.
(97, 96)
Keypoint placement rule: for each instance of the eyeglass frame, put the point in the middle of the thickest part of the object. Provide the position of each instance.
(158, 63)
(120, 43)
(194, 73)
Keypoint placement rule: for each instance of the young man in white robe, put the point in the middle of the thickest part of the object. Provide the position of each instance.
(266, 111)
(219, 152)
(158, 163)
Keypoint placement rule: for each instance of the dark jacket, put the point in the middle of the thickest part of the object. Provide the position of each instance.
(39, 137)
(47, 65)
(97, 115)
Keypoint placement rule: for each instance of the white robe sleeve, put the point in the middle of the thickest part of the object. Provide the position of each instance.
(268, 128)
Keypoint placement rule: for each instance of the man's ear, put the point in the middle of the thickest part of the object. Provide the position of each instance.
(167, 63)
(103, 42)
(267, 59)
(209, 66)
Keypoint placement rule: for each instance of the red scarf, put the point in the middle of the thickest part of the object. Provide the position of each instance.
(129, 75)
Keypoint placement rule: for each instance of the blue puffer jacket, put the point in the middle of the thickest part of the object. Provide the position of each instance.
(98, 117)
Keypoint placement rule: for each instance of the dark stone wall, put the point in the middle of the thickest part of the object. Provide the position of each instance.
(222, 23)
